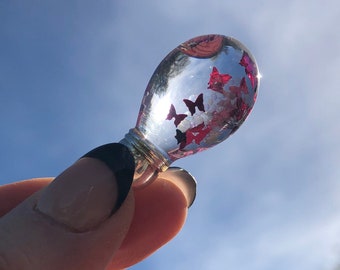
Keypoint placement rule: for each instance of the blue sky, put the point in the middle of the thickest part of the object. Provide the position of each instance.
(72, 74)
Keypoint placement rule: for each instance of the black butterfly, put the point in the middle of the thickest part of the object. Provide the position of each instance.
(181, 138)
(198, 103)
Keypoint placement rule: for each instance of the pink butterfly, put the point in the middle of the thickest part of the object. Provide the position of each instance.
(249, 66)
(238, 89)
(242, 109)
(178, 117)
(198, 103)
(218, 80)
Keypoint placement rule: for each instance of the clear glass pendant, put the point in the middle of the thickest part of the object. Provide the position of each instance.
(197, 97)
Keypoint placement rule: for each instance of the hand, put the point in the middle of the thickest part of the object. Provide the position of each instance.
(88, 217)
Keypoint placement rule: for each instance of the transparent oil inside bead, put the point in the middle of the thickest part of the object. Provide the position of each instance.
(193, 103)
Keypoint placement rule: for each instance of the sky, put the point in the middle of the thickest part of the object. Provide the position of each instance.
(72, 74)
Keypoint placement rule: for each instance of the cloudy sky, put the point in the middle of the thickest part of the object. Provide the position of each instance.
(72, 74)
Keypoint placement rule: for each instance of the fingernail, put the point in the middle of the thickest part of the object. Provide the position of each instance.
(91, 190)
(184, 180)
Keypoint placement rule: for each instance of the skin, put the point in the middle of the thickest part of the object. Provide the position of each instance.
(147, 219)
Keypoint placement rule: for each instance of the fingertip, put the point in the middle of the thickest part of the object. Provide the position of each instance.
(14, 193)
(160, 213)
(182, 179)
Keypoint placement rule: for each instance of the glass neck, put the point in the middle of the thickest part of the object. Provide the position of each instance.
(148, 160)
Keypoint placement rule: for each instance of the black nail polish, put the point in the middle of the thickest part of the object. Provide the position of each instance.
(120, 160)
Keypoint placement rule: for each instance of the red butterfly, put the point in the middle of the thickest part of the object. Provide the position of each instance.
(249, 66)
(197, 134)
(238, 89)
(178, 117)
(198, 103)
(217, 80)
(247, 63)
(242, 109)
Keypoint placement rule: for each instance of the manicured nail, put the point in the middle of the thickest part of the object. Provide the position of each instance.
(184, 180)
(121, 162)
(91, 190)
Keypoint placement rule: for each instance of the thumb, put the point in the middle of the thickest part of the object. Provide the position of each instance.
(76, 222)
